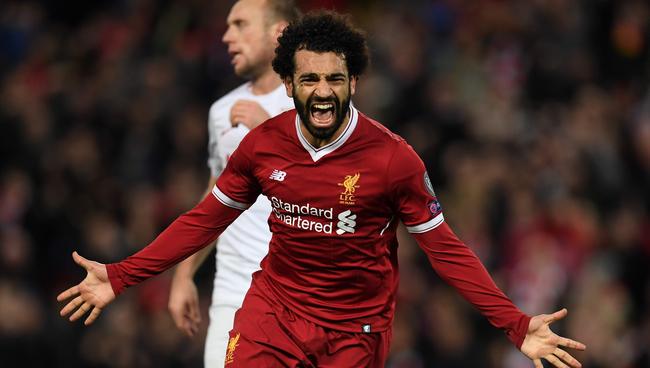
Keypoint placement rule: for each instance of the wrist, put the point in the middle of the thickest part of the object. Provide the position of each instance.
(184, 272)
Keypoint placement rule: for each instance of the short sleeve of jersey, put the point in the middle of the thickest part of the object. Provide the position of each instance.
(411, 192)
(237, 187)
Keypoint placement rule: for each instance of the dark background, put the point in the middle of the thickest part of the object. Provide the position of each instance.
(532, 116)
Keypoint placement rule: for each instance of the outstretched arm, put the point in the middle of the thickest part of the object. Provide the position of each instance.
(460, 267)
(413, 197)
(186, 235)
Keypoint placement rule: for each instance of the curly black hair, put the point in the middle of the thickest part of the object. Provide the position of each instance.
(323, 31)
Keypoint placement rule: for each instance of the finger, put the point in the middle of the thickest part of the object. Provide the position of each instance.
(189, 329)
(191, 319)
(85, 307)
(195, 314)
(235, 118)
(238, 117)
(68, 293)
(81, 261)
(195, 327)
(555, 361)
(572, 344)
(556, 316)
(241, 107)
(538, 363)
(566, 357)
(236, 109)
(72, 305)
(93, 316)
(196, 319)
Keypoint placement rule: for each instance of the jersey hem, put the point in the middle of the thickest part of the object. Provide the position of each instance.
(264, 288)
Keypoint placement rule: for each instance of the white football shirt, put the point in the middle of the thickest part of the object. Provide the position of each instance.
(243, 245)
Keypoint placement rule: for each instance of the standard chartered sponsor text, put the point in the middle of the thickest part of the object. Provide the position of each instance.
(291, 214)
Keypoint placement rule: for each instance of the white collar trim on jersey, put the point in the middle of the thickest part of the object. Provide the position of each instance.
(317, 153)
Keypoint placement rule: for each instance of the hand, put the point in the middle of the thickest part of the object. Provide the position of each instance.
(184, 305)
(93, 293)
(249, 113)
(541, 342)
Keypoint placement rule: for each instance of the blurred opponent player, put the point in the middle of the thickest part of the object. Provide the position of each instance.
(251, 37)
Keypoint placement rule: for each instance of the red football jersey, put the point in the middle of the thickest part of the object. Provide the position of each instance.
(335, 209)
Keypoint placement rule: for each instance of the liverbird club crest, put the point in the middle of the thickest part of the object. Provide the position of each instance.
(350, 185)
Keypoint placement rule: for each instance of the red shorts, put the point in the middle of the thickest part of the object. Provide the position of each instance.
(267, 334)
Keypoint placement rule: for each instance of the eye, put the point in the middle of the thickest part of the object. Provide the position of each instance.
(239, 23)
(336, 79)
(308, 81)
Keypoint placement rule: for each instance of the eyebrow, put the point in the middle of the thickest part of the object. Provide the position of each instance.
(328, 76)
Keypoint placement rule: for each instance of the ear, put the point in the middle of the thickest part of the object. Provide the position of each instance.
(276, 29)
(288, 84)
(353, 85)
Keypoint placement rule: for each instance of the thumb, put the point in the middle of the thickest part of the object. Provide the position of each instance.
(81, 261)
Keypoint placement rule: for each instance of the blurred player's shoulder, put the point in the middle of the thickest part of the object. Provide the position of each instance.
(226, 101)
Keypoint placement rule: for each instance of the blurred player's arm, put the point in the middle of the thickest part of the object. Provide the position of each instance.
(183, 296)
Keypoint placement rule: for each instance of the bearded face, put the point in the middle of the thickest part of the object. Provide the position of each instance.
(322, 116)
(321, 90)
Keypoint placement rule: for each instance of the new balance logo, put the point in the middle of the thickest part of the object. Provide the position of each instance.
(278, 175)
(346, 223)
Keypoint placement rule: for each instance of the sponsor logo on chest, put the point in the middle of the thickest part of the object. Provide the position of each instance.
(313, 217)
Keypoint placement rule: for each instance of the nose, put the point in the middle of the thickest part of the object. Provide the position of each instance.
(228, 36)
(323, 89)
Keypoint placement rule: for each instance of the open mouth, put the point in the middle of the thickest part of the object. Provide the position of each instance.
(322, 113)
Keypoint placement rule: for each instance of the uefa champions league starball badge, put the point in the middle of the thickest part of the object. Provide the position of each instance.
(428, 185)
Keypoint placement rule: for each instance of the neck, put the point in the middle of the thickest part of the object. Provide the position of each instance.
(265, 83)
(320, 142)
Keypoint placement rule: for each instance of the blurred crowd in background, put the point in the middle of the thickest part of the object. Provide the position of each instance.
(532, 116)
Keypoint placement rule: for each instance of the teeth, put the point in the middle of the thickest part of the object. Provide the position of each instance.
(322, 106)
